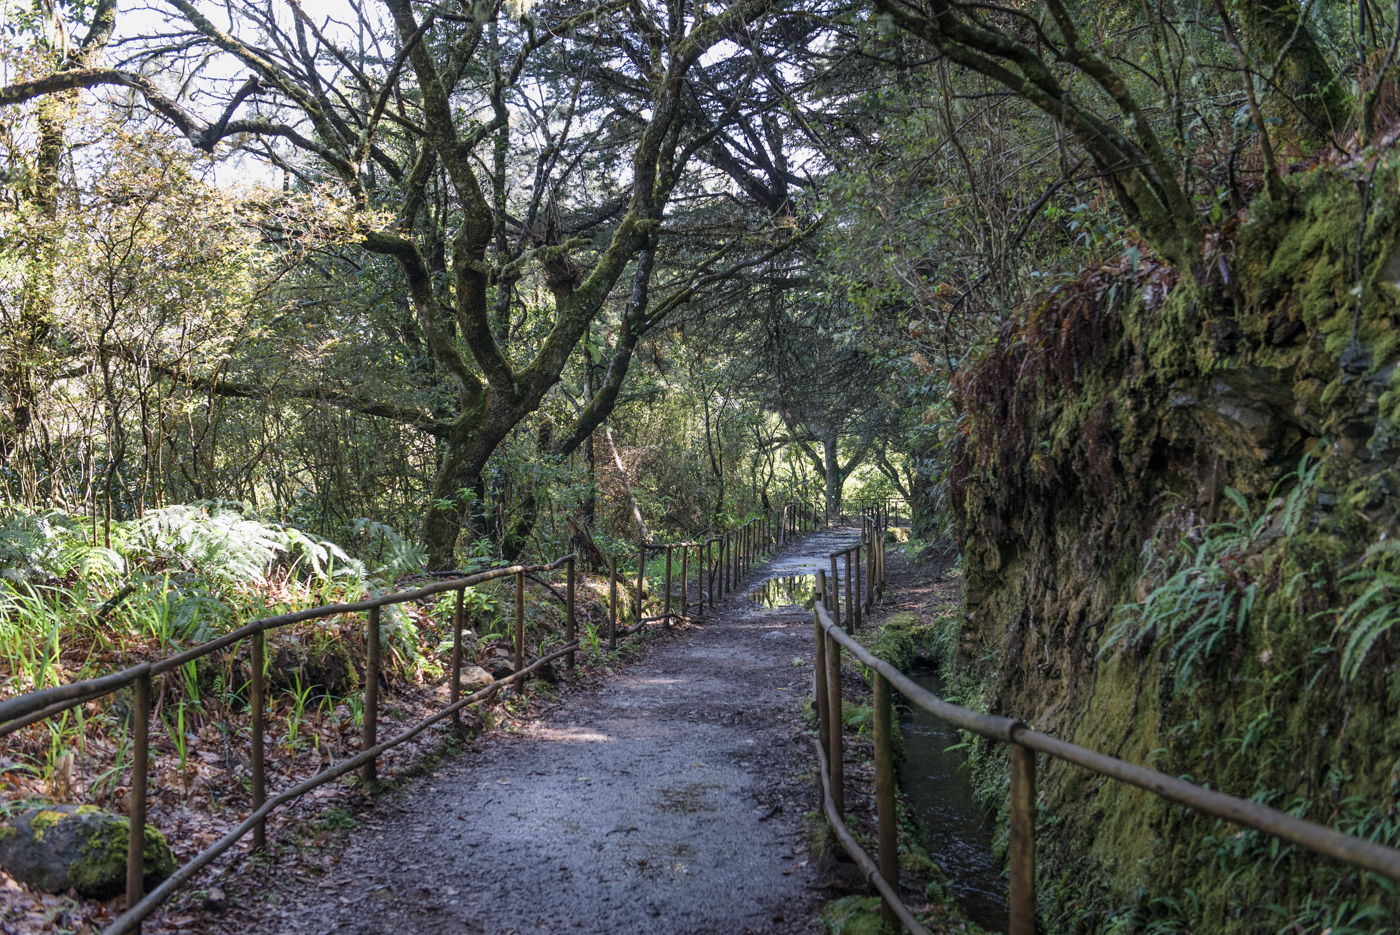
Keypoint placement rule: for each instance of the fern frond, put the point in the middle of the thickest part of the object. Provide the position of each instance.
(93, 563)
(1368, 617)
(388, 553)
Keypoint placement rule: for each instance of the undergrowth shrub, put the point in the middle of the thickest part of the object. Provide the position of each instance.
(79, 600)
(177, 576)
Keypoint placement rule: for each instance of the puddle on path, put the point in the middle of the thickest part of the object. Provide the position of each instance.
(788, 591)
(959, 832)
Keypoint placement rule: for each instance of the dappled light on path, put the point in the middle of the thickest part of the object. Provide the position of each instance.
(667, 799)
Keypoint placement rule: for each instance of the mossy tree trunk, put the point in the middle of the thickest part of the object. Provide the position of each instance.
(24, 339)
(1306, 88)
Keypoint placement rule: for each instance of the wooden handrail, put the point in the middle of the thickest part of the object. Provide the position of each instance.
(832, 639)
(717, 571)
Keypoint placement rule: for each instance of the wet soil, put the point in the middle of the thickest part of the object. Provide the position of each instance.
(668, 799)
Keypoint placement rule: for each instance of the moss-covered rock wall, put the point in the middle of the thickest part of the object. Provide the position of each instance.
(1177, 497)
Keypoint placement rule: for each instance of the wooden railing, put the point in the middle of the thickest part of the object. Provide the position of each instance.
(719, 560)
(886, 511)
(864, 571)
(722, 561)
(831, 639)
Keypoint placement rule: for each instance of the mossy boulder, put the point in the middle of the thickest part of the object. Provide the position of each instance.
(79, 847)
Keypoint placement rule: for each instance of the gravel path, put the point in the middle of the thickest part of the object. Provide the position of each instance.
(669, 799)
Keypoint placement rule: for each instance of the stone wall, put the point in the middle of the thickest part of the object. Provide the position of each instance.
(1175, 494)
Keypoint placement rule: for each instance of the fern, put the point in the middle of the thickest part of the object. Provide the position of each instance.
(168, 613)
(93, 563)
(31, 544)
(211, 540)
(1202, 598)
(227, 544)
(325, 560)
(389, 554)
(1204, 592)
(1374, 611)
(50, 544)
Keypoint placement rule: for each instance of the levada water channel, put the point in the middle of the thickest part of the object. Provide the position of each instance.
(934, 777)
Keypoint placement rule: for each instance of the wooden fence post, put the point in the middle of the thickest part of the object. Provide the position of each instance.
(257, 700)
(819, 690)
(454, 691)
(641, 576)
(1022, 848)
(519, 620)
(666, 601)
(885, 791)
(369, 729)
(612, 602)
(835, 594)
(571, 618)
(853, 588)
(834, 718)
(871, 549)
(136, 797)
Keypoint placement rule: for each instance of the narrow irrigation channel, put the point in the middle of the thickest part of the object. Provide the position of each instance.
(957, 830)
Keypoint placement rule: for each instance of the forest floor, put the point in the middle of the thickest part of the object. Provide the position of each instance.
(669, 798)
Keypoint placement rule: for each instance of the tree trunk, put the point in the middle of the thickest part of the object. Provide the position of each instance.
(519, 524)
(627, 485)
(831, 470)
(20, 378)
(459, 471)
(1313, 100)
(927, 499)
(715, 455)
(465, 450)
(590, 497)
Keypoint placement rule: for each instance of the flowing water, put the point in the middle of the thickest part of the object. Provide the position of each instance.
(959, 832)
(935, 780)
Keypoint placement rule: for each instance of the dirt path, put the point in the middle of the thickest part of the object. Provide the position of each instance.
(669, 799)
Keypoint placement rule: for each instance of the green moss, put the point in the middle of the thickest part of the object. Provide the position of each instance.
(1076, 469)
(103, 858)
(914, 859)
(896, 639)
(8, 832)
(854, 915)
(820, 840)
(45, 820)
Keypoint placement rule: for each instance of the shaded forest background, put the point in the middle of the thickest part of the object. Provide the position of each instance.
(1107, 292)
